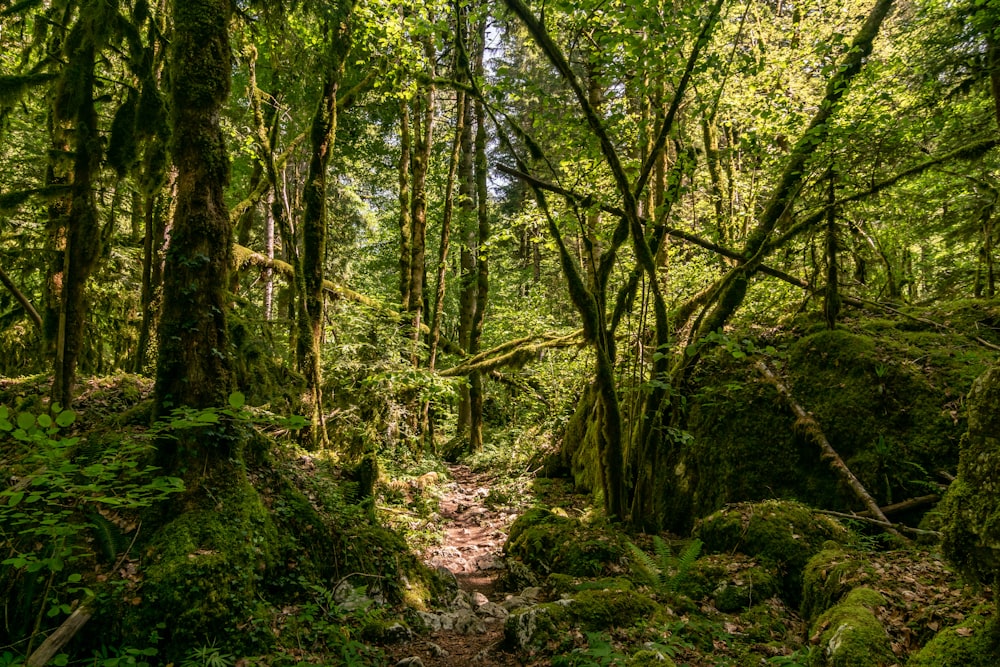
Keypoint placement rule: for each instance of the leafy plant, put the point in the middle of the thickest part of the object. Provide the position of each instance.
(663, 571)
(208, 656)
(64, 490)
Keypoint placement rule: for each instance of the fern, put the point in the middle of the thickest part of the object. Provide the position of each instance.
(663, 571)
(645, 567)
(108, 537)
(685, 561)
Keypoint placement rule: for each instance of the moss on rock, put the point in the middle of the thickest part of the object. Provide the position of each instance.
(851, 635)
(547, 542)
(828, 576)
(204, 574)
(783, 534)
(975, 642)
(971, 508)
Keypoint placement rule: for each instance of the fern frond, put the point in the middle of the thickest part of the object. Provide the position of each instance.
(109, 538)
(645, 567)
(664, 555)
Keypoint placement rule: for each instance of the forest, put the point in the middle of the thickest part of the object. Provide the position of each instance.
(527, 332)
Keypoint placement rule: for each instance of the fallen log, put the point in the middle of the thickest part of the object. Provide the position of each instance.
(811, 427)
(48, 649)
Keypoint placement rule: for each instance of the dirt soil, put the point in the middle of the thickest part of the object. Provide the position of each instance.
(473, 534)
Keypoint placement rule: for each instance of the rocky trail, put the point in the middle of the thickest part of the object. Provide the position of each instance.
(469, 631)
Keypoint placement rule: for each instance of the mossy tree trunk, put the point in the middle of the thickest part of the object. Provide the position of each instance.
(75, 111)
(482, 258)
(194, 364)
(311, 272)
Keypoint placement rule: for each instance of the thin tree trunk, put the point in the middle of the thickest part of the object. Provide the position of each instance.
(405, 220)
(482, 258)
(420, 164)
(314, 228)
(83, 233)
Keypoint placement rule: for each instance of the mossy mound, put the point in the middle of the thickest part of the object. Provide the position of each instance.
(850, 635)
(547, 542)
(975, 642)
(782, 534)
(744, 588)
(828, 577)
(886, 394)
(204, 573)
(533, 627)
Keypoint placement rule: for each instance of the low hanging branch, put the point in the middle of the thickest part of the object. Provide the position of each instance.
(829, 453)
(513, 353)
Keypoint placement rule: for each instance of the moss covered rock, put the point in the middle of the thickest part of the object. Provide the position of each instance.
(850, 635)
(971, 530)
(744, 588)
(829, 576)
(204, 575)
(893, 421)
(973, 643)
(783, 534)
(547, 542)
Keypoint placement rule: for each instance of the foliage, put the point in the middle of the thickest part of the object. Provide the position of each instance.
(68, 501)
(664, 571)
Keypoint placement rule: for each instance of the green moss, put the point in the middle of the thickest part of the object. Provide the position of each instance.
(782, 534)
(601, 610)
(851, 635)
(547, 542)
(646, 658)
(827, 577)
(973, 643)
(564, 583)
(204, 574)
(745, 589)
(971, 508)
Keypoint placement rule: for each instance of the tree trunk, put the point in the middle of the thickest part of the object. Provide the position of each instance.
(314, 227)
(194, 364)
(83, 233)
(405, 221)
(420, 164)
(482, 258)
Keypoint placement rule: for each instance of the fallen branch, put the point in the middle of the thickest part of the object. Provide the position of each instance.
(885, 524)
(910, 504)
(21, 299)
(44, 653)
(828, 452)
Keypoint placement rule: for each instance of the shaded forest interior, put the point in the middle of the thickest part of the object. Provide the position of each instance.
(690, 306)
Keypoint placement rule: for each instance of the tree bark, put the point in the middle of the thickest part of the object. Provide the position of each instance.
(194, 364)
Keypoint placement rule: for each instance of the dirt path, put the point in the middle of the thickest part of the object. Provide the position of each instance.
(471, 628)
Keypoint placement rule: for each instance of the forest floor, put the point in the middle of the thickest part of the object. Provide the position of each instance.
(473, 530)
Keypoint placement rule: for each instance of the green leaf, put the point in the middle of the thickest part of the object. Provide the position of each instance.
(65, 418)
(207, 417)
(15, 498)
(44, 421)
(25, 420)
(237, 400)
(74, 578)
